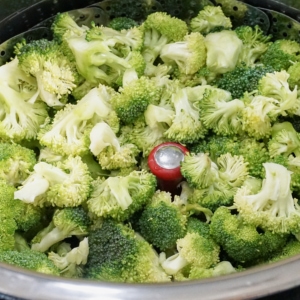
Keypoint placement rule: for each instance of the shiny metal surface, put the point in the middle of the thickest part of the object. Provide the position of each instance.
(169, 157)
(250, 284)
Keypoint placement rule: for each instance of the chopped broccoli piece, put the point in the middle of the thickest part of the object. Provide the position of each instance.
(120, 196)
(120, 23)
(243, 242)
(136, 262)
(66, 222)
(281, 54)
(31, 260)
(242, 79)
(209, 19)
(223, 51)
(189, 54)
(294, 71)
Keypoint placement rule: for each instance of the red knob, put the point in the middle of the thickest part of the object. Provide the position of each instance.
(164, 162)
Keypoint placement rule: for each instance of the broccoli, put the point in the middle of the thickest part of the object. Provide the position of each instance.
(223, 51)
(194, 251)
(281, 54)
(186, 125)
(30, 260)
(254, 152)
(209, 19)
(120, 196)
(66, 222)
(242, 79)
(64, 22)
(259, 114)
(160, 29)
(55, 73)
(69, 261)
(120, 23)
(243, 242)
(273, 208)
(111, 152)
(64, 184)
(275, 85)
(133, 99)
(118, 254)
(219, 185)
(16, 162)
(189, 54)
(21, 112)
(220, 113)
(255, 44)
(68, 133)
(162, 221)
(285, 140)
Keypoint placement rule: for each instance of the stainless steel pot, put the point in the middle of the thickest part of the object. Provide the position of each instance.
(250, 284)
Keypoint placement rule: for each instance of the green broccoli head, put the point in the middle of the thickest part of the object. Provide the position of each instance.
(134, 98)
(243, 242)
(255, 44)
(162, 221)
(56, 75)
(281, 54)
(120, 196)
(273, 208)
(65, 223)
(220, 113)
(137, 262)
(120, 23)
(16, 162)
(209, 19)
(30, 260)
(293, 71)
(242, 79)
(189, 54)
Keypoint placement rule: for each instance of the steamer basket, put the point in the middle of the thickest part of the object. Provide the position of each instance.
(283, 18)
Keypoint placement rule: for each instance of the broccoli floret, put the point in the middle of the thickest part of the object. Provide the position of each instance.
(16, 162)
(273, 208)
(56, 75)
(189, 54)
(118, 254)
(62, 23)
(194, 251)
(31, 260)
(120, 23)
(120, 196)
(66, 222)
(219, 185)
(242, 79)
(21, 112)
(134, 98)
(69, 261)
(255, 44)
(281, 54)
(275, 85)
(220, 113)
(223, 51)
(291, 248)
(259, 114)
(285, 140)
(243, 242)
(186, 126)
(254, 152)
(111, 152)
(199, 170)
(67, 184)
(69, 131)
(162, 221)
(159, 30)
(209, 19)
